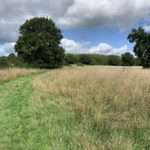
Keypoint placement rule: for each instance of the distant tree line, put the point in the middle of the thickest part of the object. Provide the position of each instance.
(79, 59)
(94, 59)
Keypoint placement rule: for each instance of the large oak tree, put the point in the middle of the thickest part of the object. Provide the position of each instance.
(142, 45)
(39, 43)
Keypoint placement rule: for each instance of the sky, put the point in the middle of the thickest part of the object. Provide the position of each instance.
(93, 26)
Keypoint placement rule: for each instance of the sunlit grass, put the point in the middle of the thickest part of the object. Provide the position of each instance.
(94, 108)
(11, 73)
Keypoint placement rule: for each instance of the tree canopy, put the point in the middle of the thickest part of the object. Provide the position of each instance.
(39, 43)
(127, 59)
(114, 60)
(142, 46)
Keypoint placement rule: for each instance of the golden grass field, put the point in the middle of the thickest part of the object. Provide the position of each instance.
(109, 106)
(76, 108)
(11, 73)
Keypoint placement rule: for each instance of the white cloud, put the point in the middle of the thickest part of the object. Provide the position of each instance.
(147, 28)
(119, 51)
(13, 13)
(71, 46)
(7, 49)
(106, 49)
(74, 47)
(102, 48)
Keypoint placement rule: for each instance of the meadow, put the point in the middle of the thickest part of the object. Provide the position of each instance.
(77, 108)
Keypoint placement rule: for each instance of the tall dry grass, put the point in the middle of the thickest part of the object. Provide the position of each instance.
(110, 106)
(11, 73)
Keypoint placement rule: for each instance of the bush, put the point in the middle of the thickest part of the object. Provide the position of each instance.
(127, 59)
(95, 59)
(11, 61)
(114, 60)
(71, 59)
(86, 59)
(4, 63)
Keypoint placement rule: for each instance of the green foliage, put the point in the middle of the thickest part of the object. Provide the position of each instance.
(114, 60)
(4, 63)
(142, 46)
(16, 61)
(86, 59)
(137, 62)
(127, 59)
(11, 61)
(71, 59)
(78, 59)
(99, 59)
(39, 43)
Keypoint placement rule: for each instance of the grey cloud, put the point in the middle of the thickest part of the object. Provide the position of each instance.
(8, 31)
(121, 13)
(15, 12)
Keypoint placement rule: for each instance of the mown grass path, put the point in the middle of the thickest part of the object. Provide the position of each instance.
(17, 122)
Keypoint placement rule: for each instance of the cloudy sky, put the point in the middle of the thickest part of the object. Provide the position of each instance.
(89, 26)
